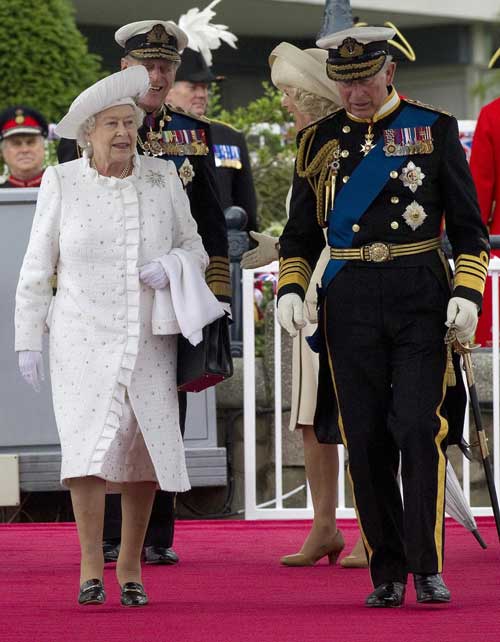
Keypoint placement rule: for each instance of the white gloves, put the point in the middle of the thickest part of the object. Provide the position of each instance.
(265, 252)
(462, 314)
(31, 367)
(291, 313)
(154, 275)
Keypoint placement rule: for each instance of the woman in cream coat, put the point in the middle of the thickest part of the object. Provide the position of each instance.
(110, 224)
(308, 94)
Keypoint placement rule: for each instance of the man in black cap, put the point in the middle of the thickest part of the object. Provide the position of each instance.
(379, 173)
(22, 142)
(234, 173)
(186, 140)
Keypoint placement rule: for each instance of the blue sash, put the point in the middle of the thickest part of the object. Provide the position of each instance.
(365, 184)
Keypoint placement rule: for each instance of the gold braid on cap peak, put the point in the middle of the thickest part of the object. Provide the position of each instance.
(321, 172)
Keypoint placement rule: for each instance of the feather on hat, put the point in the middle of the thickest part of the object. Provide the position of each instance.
(203, 36)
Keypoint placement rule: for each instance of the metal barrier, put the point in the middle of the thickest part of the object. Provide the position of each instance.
(275, 508)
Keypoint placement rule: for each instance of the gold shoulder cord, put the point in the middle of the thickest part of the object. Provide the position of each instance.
(321, 172)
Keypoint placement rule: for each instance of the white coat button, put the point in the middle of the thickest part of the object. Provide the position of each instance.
(120, 240)
(120, 315)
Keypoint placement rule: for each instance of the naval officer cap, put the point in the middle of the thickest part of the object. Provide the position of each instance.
(152, 39)
(357, 52)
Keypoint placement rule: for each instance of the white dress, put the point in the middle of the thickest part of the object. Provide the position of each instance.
(97, 231)
(305, 362)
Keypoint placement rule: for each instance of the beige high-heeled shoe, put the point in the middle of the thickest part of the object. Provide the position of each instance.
(332, 549)
(356, 558)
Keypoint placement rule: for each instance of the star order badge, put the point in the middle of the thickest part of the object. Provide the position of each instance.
(414, 215)
(186, 172)
(411, 176)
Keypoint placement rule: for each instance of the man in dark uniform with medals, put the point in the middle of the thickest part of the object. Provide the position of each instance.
(233, 168)
(379, 173)
(22, 141)
(186, 140)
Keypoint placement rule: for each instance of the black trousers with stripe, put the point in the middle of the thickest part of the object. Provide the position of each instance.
(384, 330)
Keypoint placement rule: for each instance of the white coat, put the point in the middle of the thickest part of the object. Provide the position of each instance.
(97, 231)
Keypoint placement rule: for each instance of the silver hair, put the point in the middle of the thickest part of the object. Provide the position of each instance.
(88, 126)
(311, 104)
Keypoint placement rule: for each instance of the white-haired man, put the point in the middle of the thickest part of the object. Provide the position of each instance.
(379, 173)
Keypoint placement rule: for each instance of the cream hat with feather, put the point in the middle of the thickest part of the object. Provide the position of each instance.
(302, 69)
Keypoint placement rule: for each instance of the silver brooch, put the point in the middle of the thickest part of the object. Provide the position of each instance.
(412, 176)
(186, 172)
(155, 179)
(414, 215)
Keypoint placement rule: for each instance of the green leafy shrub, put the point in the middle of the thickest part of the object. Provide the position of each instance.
(45, 60)
(271, 143)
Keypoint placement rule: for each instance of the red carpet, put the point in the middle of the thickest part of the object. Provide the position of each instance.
(229, 587)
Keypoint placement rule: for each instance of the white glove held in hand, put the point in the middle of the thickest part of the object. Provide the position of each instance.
(31, 367)
(462, 313)
(154, 275)
(291, 313)
(265, 252)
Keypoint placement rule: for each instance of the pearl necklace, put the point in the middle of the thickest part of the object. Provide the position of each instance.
(125, 172)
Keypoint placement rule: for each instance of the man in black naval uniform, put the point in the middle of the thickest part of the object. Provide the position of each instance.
(383, 174)
(22, 145)
(233, 168)
(186, 140)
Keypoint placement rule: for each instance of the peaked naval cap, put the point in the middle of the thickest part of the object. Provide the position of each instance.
(357, 52)
(152, 39)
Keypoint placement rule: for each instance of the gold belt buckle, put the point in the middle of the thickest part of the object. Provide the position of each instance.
(377, 252)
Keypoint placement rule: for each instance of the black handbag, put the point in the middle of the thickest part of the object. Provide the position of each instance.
(208, 363)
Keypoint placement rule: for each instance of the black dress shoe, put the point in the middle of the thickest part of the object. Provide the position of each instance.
(111, 550)
(387, 595)
(160, 555)
(92, 592)
(431, 588)
(133, 594)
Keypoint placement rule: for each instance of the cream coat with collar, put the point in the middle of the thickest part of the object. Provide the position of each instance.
(97, 231)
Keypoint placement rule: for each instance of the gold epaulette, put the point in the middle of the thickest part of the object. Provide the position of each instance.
(319, 171)
(221, 122)
(182, 112)
(412, 101)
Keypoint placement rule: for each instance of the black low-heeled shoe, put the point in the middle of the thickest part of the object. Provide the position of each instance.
(431, 588)
(387, 595)
(92, 592)
(133, 594)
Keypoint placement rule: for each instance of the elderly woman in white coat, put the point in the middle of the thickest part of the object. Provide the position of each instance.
(111, 224)
(308, 94)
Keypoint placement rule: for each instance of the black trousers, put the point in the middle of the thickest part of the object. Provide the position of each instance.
(384, 331)
(160, 530)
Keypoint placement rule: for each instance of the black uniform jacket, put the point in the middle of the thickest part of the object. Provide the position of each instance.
(197, 172)
(398, 215)
(234, 171)
(443, 194)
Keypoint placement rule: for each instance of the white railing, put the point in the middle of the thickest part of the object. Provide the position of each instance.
(275, 509)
